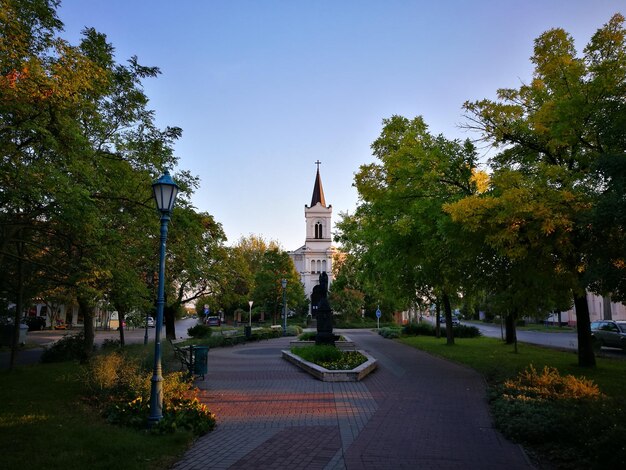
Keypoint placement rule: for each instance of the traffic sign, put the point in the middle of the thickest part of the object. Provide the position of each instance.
(378, 314)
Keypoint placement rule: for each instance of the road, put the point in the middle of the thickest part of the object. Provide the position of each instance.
(561, 340)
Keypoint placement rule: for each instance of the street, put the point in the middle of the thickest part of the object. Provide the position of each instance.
(560, 340)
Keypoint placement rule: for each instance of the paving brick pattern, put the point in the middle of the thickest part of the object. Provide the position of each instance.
(415, 411)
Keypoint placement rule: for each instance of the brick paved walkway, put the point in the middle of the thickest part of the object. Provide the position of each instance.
(416, 411)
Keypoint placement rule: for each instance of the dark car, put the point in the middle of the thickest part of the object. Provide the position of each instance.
(213, 321)
(455, 320)
(609, 333)
(35, 323)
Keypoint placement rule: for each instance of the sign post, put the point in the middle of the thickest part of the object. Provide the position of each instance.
(378, 315)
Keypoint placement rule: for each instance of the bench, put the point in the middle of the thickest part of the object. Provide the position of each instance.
(186, 357)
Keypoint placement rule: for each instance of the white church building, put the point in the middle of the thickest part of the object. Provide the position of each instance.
(316, 255)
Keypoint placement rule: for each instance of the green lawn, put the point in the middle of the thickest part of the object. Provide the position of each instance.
(45, 424)
(497, 361)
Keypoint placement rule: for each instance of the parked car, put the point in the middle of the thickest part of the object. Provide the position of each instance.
(455, 320)
(150, 322)
(35, 323)
(609, 333)
(213, 321)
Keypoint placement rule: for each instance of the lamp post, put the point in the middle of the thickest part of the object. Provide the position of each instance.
(165, 191)
(250, 302)
(284, 284)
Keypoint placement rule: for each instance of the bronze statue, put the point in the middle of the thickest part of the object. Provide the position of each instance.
(323, 311)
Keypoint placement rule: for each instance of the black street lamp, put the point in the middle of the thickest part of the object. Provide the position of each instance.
(284, 284)
(165, 191)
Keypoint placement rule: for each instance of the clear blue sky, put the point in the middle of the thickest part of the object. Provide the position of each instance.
(263, 89)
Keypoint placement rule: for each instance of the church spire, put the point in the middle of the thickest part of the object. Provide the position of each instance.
(318, 191)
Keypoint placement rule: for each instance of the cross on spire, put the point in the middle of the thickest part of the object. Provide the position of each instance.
(318, 191)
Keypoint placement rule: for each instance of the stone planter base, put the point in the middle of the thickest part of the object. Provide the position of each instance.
(326, 375)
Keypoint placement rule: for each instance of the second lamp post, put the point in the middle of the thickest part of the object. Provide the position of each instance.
(284, 284)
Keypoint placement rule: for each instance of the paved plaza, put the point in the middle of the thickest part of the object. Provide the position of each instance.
(415, 412)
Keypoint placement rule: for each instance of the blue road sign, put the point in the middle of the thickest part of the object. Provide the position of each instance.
(378, 314)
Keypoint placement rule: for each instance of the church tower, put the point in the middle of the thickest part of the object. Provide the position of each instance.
(316, 255)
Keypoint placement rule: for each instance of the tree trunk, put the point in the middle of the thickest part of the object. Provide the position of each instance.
(169, 315)
(586, 357)
(437, 320)
(448, 310)
(121, 315)
(511, 334)
(84, 307)
(19, 305)
(606, 308)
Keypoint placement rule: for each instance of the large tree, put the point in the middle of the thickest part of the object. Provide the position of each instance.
(275, 266)
(559, 138)
(79, 152)
(399, 230)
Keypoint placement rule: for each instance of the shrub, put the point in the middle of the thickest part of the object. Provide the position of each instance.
(330, 357)
(109, 344)
(68, 348)
(415, 329)
(308, 336)
(389, 332)
(121, 388)
(199, 331)
(293, 330)
(565, 418)
(549, 385)
(465, 331)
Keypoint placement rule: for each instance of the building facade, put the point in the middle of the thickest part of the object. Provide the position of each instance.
(316, 255)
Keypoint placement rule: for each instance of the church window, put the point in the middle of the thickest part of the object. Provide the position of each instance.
(323, 265)
(318, 230)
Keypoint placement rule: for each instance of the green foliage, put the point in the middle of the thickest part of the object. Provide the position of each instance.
(414, 329)
(110, 344)
(367, 322)
(465, 331)
(389, 332)
(275, 265)
(548, 385)
(266, 333)
(330, 357)
(308, 336)
(348, 302)
(121, 388)
(199, 331)
(293, 330)
(68, 348)
(559, 416)
(548, 214)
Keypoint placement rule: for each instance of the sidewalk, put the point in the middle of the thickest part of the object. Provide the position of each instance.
(415, 412)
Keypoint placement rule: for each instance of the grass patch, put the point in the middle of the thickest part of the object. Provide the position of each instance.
(45, 423)
(497, 361)
(329, 357)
